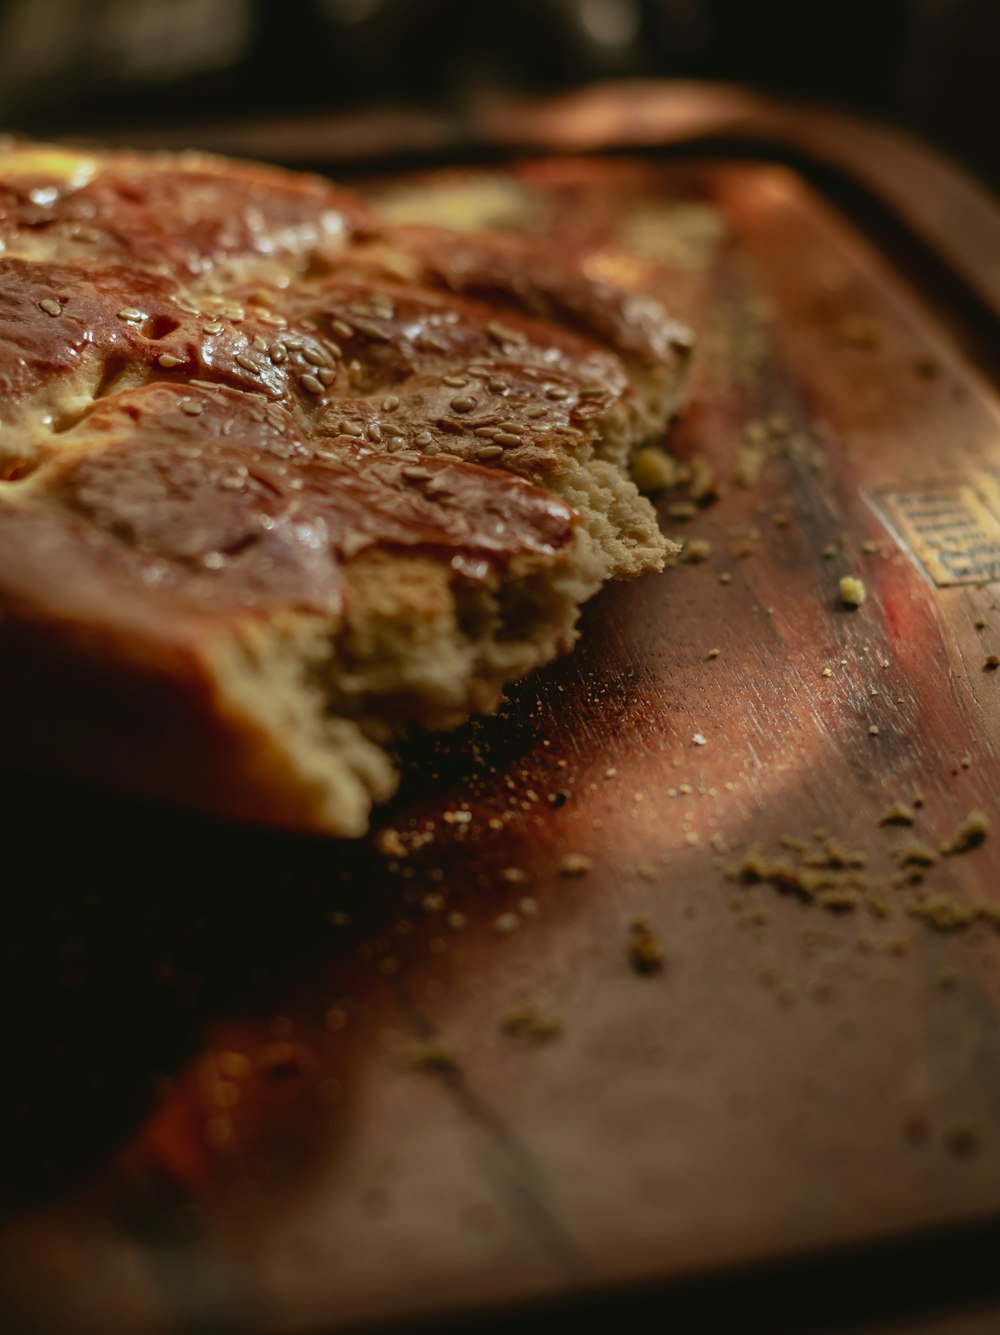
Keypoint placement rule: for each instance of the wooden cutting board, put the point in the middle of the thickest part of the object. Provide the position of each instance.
(747, 1058)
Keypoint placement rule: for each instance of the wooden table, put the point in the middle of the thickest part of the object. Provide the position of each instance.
(258, 1084)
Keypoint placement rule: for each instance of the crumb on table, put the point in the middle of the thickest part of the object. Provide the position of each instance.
(575, 864)
(852, 591)
(645, 950)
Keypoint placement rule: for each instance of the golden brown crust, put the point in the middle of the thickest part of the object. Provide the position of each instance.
(222, 387)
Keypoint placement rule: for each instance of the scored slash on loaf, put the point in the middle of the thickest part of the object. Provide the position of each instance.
(281, 479)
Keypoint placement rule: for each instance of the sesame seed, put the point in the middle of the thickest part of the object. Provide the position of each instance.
(278, 352)
(426, 339)
(192, 407)
(534, 411)
(486, 431)
(515, 428)
(497, 386)
(341, 328)
(130, 313)
(423, 438)
(214, 328)
(463, 403)
(504, 335)
(241, 359)
(490, 451)
(352, 428)
(455, 381)
(50, 306)
(591, 392)
(268, 317)
(260, 344)
(232, 483)
(375, 432)
(168, 361)
(204, 384)
(507, 438)
(556, 392)
(315, 356)
(326, 374)
(390, 403)
(310, 383)
(371, 331)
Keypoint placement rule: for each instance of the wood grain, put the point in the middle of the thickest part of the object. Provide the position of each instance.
(265, 1084)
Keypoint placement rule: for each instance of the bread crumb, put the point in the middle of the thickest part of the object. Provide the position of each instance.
(527, 1022)
(873, 729)
(654, 470)
(506, 923)
(575, 864)
(513, 876)
(696, 551)
(943, 913)
(699, 740)
(702, 487)
(991, 662)
(897, 813)
(827, 672)
(713, 653)
(852, 591)
(431, 1056)
(915, 853)
(970, 833)
(750, 459)
(645, 951)
(390, 844)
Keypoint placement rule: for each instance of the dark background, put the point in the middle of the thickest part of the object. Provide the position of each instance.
(79, 66)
